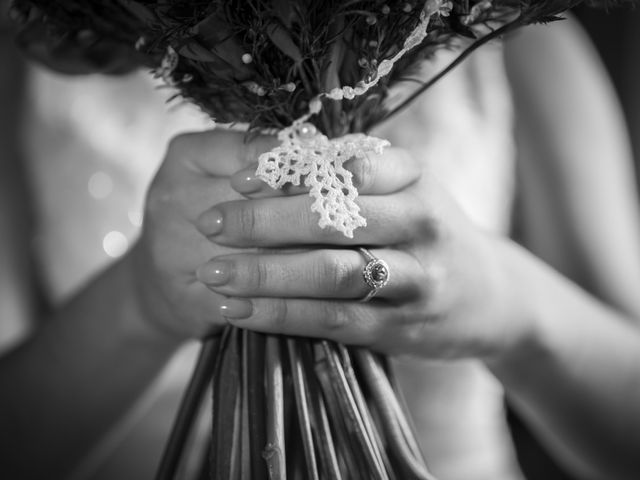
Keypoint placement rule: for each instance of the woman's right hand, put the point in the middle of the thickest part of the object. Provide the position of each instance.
(193, 176)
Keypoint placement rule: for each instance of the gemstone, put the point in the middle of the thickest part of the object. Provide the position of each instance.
(376, 273)
(379, 273)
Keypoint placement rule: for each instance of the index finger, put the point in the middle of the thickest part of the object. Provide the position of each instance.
(217, 153)
(390, 172)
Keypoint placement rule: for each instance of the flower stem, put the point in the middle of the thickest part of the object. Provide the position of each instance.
(188, 410)
(274, 451)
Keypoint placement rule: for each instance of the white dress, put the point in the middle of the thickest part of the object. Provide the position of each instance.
(463, 129)
(94, 144)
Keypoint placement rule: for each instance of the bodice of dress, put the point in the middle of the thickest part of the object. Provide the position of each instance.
(94, 144)
(462, 129)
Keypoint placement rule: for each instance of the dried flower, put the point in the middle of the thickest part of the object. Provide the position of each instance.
(318, 46)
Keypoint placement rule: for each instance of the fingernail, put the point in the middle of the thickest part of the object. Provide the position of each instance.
(210, 222)
(214, 273)
(245, 181)
(236, 308)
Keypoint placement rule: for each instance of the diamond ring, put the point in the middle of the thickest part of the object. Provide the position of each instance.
(375, 273)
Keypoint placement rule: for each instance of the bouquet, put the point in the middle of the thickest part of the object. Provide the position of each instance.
(319, 75)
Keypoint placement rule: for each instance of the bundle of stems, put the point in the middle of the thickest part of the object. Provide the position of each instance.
(296, 408)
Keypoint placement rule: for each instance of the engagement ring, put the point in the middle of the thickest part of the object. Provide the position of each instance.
(375, 273)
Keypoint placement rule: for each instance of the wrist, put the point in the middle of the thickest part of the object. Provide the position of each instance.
(523, 289)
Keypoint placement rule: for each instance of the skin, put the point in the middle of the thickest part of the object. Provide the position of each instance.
(317, 292)
(560, 313)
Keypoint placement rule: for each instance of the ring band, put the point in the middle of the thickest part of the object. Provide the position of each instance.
(375, 273)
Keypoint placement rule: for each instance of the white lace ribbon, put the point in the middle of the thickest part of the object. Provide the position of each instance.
(306, 153)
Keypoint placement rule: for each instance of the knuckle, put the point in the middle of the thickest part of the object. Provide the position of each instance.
(247, 219)
(370, 329)
(260, 275)
(276, 313)
(333, 274)
(425, 224)
(433, 283)
(334, 316)
(272, 313)
(413, 336)
(433, 229)
(414, 328)
(252, 273)
(324, 234)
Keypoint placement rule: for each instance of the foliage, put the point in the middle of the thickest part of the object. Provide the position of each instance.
(261, 61)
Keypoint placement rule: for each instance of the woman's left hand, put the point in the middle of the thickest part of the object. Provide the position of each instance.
(447, 294)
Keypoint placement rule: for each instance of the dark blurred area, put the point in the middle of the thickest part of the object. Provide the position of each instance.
(616, 34)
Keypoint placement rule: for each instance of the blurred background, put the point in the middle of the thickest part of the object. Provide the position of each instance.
(616, 35)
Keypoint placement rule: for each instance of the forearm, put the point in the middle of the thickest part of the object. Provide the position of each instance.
(577, 379)
(66, 386)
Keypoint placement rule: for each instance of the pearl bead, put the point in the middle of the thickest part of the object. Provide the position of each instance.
(307, 131)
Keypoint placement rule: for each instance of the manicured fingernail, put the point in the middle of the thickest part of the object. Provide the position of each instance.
(210, 222)
(246, 181)
(236, 308)
(216, 272)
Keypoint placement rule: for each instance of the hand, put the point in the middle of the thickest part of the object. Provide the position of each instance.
(194, 175)
(447, 295)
